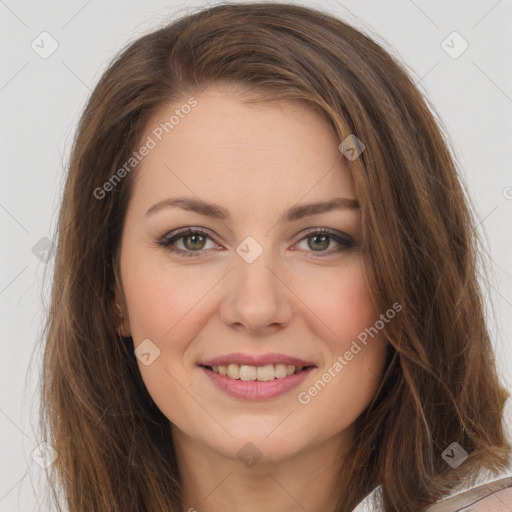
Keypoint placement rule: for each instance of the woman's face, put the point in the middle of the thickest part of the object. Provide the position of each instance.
(258, 292)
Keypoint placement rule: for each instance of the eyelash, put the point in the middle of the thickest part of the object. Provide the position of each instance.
(345, 241)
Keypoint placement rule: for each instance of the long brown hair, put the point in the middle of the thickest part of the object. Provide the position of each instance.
(115, 451)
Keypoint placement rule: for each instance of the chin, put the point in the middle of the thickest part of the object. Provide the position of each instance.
(252, 444)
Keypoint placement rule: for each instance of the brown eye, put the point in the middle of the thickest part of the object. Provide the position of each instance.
(197, 242)
(318, 242)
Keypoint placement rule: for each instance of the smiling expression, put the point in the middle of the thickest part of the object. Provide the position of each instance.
(241, 256)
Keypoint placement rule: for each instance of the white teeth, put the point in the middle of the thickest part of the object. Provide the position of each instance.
(247, 372)
(260, 373)
(266, 372)
(280, 370)
(233, 371)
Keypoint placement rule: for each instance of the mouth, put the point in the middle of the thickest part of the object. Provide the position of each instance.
(256, 377)
(262, 373)
(249, 382)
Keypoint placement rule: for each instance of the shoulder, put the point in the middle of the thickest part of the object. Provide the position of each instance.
(491, 497)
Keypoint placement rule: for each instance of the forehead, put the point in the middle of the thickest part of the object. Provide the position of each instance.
(230, 151)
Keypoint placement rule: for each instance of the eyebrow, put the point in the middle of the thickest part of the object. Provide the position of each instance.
(216, 211)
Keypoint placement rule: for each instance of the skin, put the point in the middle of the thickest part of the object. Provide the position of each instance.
(257, 161)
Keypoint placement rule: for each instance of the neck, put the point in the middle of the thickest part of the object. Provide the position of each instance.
(304, 481)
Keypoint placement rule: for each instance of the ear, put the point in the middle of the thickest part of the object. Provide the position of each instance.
(120, 316)
(119, 309)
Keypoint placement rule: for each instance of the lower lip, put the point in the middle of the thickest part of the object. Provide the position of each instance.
(254, 389)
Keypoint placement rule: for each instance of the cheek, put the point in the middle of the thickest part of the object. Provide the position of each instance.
(165, 307)
(164, 300)
(355, 345)
(341, 301)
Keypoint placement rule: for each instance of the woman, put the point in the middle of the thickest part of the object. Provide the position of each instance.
(265, 292)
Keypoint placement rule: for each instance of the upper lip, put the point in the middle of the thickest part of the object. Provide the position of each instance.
(256, 360)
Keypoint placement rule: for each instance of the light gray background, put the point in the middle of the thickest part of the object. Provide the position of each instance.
(41, 99)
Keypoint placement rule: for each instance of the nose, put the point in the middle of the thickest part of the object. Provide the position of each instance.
(257, 299)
